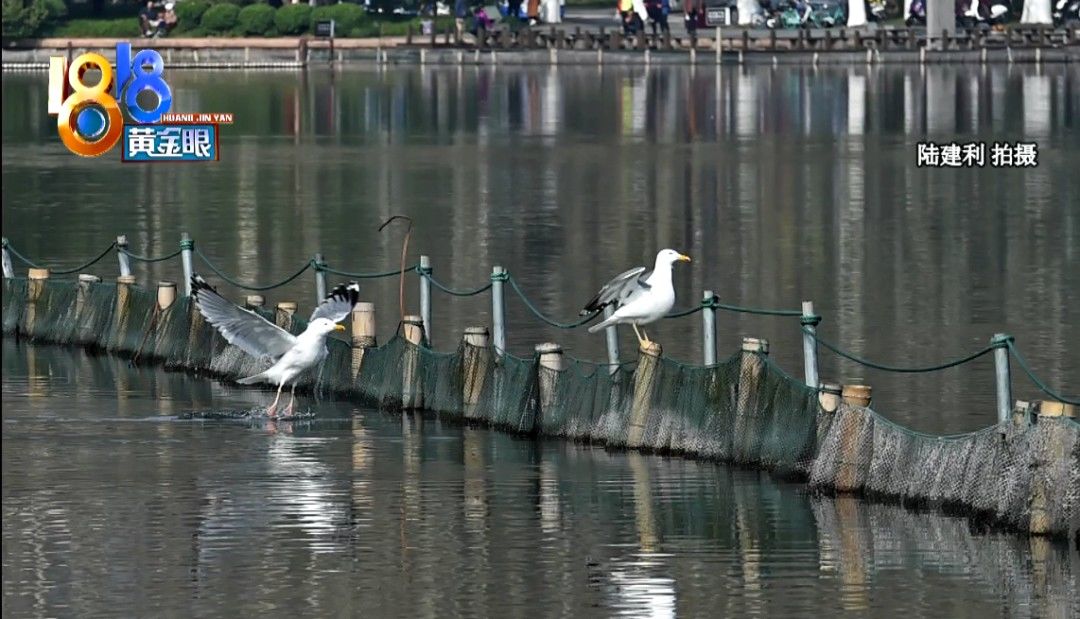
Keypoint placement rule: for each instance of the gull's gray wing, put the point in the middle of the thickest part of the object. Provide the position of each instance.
(339, 303)
(243, 328)
(618, 289)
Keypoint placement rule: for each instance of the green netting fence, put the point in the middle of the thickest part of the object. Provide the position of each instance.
(743, 410)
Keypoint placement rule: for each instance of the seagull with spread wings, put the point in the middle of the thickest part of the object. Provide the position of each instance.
(640, 296)
(289, 354)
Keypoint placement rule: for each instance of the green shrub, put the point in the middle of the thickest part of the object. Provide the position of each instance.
(220, 17)
(256, 19)
(189, 12)
(96, 28)
(346, 15)
(292, 19)
(27, 20)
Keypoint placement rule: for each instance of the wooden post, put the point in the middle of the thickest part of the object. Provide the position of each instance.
(644, 378)
(186, 247)
(320, 279)
(425, 295)
(552, 363)
(166, 294)
(283, 314)
(412, 393)
(123, 296)
(1001, 369)
(809, 322)
(719, 44)
(708, 327)
(1048, 453)
(254, 301)
(121, 255)
(476, 356)
(9, 270)
(498, 326)
(36, 288)
(83, 291)
(747, 426)
(363, 333)
(1023, 413)
(829, 397)
(1053, 408)
(612, 335)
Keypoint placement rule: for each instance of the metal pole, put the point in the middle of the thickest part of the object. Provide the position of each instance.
(1001, 368)
(498, 319)
(320, 279)
(9, 270)
(425, 295)
(612, 335)
(121, 255)
(809, 323)
(186, 246)
(708, 324)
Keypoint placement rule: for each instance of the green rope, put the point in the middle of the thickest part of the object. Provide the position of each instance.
(232, 281)
(328, 269)
(536, 312)
(685, 312)
(1035, 379)
(892, 368)
(54, 271)
(134, 256)
(456, 292)
(715, 303)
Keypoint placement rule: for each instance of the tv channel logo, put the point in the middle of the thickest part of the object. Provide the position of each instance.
(89, 119)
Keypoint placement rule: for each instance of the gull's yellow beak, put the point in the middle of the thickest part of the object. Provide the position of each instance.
(339, 327)
(684, 258)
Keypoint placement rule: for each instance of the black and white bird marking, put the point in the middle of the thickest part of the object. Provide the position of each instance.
(289, 354)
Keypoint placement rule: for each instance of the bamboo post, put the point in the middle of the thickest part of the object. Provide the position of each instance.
(1048, 452)
(283, 314)
(477, 355)
(186, 247)
(809, 322)
(9, 269)
(644, 380)
(320, 278)
(36, 288)
(857, 395)
(166, 294)
(83, 291)
(718, 44)
(412, 394)
(121, 255)
(612, 335)
(829, 397)
(363, 333)
(552, 363)
(747, 426)
(708, 326)
(425, 295)
(254, 301)
(1023, 413)
(1053, 408)
(498, 318)
(1001, 369)
(123, 296)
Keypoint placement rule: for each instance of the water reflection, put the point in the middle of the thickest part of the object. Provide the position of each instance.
(785, 184)
(365, 512)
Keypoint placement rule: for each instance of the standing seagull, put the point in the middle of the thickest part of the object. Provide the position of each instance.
(640, 295)
(290, 354)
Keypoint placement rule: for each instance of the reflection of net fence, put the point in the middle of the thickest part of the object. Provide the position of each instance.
(744, 410)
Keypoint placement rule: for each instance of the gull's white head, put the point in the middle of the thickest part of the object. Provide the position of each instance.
(668, 257)
(324, 326)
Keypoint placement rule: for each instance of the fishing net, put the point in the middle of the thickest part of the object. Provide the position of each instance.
(745, 409)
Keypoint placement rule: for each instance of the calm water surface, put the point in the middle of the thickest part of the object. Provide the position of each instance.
(783, 184)
(114, 507)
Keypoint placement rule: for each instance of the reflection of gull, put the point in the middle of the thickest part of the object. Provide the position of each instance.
(258, 337)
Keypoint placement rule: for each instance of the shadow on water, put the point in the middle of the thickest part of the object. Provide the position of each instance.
(360, 511)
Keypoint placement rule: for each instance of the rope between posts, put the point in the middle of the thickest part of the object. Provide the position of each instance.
(457, 292)
(135, 256)
(893, 368)
(328, 269)
(1035, 379)
(232, 281)
(714, 303)
(536, 312)
(54, 271)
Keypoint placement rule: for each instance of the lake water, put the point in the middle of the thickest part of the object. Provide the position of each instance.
(783, 184)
